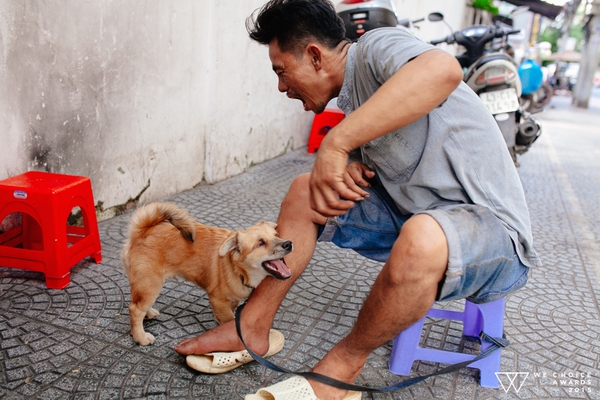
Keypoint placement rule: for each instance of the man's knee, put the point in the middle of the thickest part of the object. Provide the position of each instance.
(421, 252)
(300, 184)
(296, 204)
(298, 193)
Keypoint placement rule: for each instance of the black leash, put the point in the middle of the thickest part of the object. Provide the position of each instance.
(496, 343)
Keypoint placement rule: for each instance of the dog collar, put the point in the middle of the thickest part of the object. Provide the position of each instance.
(244, 283)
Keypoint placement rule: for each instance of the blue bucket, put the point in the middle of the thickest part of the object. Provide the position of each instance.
(531, 76)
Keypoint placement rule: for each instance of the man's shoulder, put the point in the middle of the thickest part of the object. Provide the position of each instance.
(389, 41)
(382, 32)
(382, 35)
(386, 50)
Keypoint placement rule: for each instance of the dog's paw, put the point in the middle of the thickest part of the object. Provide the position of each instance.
(152, 313)
(146, 339)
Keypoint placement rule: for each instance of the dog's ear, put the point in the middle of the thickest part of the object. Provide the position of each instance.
(231, 243)
(269, 223)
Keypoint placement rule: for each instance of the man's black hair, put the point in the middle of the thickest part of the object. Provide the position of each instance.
(296, 22)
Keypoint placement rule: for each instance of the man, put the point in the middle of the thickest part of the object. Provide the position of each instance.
(437, 197)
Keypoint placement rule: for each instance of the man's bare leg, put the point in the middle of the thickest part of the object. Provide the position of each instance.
(296, 222)
(402, 294)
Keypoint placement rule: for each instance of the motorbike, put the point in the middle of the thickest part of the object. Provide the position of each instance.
(360, 16)
(492, 73)
(536, 93)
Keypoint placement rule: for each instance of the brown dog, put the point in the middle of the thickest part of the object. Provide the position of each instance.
(164, 241)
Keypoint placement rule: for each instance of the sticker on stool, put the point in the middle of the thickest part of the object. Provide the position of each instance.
(20, 194)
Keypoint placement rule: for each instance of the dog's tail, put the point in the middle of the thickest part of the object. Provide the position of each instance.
(154, 213)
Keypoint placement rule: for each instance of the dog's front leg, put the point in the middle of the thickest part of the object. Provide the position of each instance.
(234, 305)
(221, 309)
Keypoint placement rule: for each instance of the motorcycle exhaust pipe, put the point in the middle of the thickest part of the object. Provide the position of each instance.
(528, 132)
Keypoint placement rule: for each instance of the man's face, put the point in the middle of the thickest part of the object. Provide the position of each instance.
(299, 78)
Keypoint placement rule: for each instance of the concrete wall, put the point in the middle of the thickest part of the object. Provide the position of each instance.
(136, 94)
(146, 97)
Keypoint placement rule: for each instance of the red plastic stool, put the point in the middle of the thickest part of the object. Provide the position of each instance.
(44, 242)
(321, 125)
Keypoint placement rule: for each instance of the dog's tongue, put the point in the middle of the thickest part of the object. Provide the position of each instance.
(278, 268)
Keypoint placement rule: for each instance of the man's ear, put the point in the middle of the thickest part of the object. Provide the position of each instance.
(315, 54)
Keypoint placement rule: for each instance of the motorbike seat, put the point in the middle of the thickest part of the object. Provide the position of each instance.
(485, 59)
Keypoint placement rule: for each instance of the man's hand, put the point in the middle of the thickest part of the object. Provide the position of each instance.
(334, 184)
(356, 177)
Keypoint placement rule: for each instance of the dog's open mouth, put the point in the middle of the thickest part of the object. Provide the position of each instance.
(277, 268)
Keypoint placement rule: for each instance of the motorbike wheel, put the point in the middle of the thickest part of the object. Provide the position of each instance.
(535, 102)
(527, 102)
(546, 92)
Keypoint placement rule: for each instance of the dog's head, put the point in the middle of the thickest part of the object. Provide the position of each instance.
(259, 251)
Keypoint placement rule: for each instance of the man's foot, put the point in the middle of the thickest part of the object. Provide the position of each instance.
(221, 362)
(337, 365)
(224, 338)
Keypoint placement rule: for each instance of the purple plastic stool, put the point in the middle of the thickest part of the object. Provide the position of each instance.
(487, 317)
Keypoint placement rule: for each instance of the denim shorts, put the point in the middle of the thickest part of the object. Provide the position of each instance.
(482, 262)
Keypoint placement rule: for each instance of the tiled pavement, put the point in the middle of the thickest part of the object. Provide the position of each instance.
(75, 343)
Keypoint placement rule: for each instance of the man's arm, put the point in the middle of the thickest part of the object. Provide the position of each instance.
(418, 87)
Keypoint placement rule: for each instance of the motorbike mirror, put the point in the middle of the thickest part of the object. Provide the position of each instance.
(435, 16)
(404, 22)
(518, 11)
(438, 16)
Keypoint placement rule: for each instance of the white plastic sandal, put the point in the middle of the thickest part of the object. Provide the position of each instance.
(218, 363)
(295, 388)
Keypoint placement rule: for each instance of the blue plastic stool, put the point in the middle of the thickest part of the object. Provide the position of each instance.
(487, 317)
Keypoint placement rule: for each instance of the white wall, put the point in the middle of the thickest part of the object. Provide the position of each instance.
(139, 92)
(453, 11)
(146, 97)
(103, 90)
(249, 120)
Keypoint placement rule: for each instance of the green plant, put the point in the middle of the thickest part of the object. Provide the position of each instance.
(552, 34)
(485, 5)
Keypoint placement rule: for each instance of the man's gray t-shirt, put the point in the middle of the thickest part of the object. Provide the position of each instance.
(454, 155)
